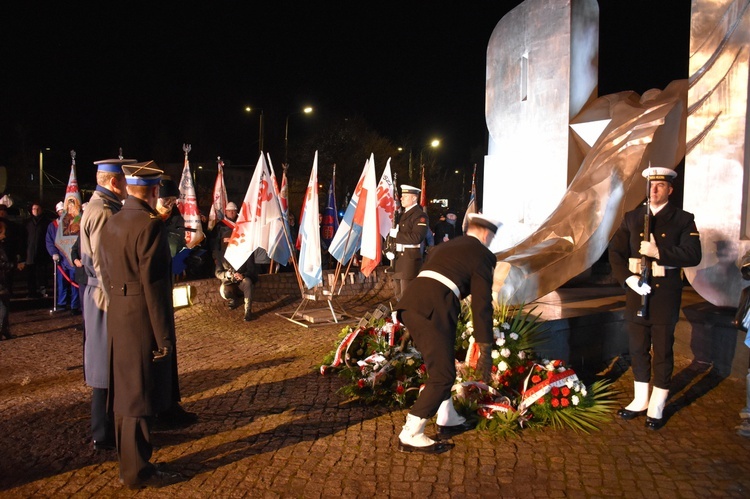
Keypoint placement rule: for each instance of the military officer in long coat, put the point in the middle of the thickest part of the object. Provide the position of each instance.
(456, 269)
(105, 202)
(673, 243)
(409, 235)
(136, 271)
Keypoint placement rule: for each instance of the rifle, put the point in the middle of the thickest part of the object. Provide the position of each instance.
(390, 242)
(645, 261)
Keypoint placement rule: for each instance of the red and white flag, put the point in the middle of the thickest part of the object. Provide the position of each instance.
(284, 192)
(219, 203)
(386, 202)
(310, 266)
(258, 214)
(188, 205)
(371, 240)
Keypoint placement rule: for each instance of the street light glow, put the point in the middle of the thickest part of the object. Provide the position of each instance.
(307, 110)
(435, 143)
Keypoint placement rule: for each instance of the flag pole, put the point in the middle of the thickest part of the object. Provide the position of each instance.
(286, 233)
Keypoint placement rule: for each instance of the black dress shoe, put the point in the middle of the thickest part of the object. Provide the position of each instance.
(435, 448)
(450, 431)
(654, 423)
(628, 414)
(158, 480)
(104, 445)
(175, 418)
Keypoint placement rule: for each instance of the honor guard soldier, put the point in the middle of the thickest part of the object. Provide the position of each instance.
(137, 277)
(409, 236)
(647, 253)
(111, 191)
(456, 269)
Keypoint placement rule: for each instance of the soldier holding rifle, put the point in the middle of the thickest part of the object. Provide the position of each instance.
(654, 293)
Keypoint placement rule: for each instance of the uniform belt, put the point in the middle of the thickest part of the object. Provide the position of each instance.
(402, 247)
(126, 289)
(431, 274)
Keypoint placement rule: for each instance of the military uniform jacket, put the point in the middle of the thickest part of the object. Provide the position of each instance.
(102, 205)
(679, 246)
(136, 272)
(470, 266)
(412, 229)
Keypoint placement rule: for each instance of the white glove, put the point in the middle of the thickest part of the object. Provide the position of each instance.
(390, 255)
(649, 248)
(394, 232)
(632, 283)
(56, 257)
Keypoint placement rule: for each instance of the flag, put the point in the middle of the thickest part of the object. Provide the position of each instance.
(188, 205)
(284, 193)
(278, 243)
(72, 191)
(347, 239)
(472, 206)
(386, 201)
(310, 267)
(330, 215)
(258, 215)
(371, 240)
(423, 194)
(359, 227)
(219, 203)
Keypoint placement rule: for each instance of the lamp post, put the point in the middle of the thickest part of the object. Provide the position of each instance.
(306, 110)
(249, 109)
(41, 173)
(434, 143)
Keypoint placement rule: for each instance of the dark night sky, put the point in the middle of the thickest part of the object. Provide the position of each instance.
(149, 78)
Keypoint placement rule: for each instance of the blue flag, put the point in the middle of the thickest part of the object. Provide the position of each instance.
(330, 223)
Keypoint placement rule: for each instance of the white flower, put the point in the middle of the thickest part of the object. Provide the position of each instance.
(505, 352)
(550, 367)
(583, 391)
(502, 366)
(561, 369)
(521, 355)
(575, 400)
(506, 325)
(495, 322)
(496, 332)
(500, 342)
(470, 325)
(495, 354)
(513, 336)
(410, 362)
(569, 383)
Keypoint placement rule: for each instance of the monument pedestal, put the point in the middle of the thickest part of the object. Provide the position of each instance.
(585, 327)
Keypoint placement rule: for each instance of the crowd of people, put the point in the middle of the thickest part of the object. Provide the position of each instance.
(118, 256)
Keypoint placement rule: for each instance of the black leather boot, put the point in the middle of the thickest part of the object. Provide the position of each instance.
(248, 310)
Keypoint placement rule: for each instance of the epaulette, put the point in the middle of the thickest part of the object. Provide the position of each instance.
(153, 216)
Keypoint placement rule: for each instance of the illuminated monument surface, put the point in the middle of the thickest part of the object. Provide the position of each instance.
(584, 154)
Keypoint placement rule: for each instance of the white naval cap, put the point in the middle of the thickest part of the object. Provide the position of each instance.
(484, 221)
(659, 173)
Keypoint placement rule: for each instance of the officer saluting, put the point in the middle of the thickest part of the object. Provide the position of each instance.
(137, 277)
(409, 236)
(673, 242)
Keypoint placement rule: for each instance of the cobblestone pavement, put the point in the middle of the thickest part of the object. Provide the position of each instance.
(272, 426)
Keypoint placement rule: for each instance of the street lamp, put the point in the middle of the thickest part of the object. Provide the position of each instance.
(306, 110)
(249, 109)
(435, 143)
(41, 173)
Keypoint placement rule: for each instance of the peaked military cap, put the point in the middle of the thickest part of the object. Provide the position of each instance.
(145, 173)
(658, 173)
(484, 221)
(409, 189)
(112, 165)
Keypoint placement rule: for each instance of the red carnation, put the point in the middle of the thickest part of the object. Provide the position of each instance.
(555, 391)
(520, 369)
(400, 389)
(540, 401)
(555, 402)
(565, 402)
(494, 369)
(361, 383)
(536, 379)
(565, 391)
